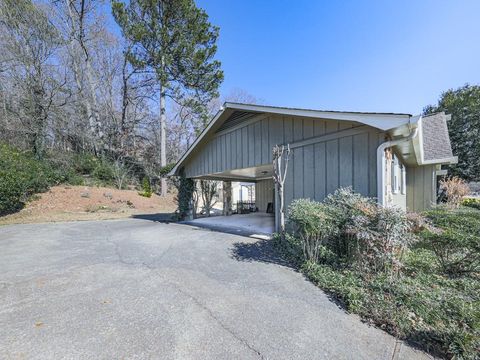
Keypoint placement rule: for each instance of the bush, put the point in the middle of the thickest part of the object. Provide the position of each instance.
(472, 202)
(455, 189)
(84, 164)
(454, 239)
(382, 236)
(370, 237)
(21, 175)
(146, 188)
(423, 303)
(346, 207)
(313, 224)
(103, 171)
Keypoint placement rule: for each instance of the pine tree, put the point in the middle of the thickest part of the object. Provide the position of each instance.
(174, 40)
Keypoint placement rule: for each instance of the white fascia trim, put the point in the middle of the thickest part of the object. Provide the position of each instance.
(449, 160)
(376, 120)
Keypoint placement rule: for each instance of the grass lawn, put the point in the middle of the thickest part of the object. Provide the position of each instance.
(432, 302)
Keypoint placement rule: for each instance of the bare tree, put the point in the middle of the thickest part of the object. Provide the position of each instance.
(29, 43)
(121, 172)
(209, 191)
(280, 167)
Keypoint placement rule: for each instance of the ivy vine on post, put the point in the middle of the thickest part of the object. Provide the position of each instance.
(280, 166)
(185, 188)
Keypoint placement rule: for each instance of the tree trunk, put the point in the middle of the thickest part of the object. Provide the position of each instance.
(92, 85)
(76, 72)
(163, 140)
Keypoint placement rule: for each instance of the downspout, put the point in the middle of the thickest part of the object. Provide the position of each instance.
(381, 162)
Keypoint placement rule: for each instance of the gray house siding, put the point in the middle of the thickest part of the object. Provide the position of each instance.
(321, 168)
(421, 187)
(264, 190)
(250, 144)
(315, 170)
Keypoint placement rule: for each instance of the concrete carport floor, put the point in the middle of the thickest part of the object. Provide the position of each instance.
(257, 225)
(139, 289)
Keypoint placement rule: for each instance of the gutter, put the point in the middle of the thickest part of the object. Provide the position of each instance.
(381, 161)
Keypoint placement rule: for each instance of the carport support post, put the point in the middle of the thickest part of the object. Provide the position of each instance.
(227, 198)
(277, 209)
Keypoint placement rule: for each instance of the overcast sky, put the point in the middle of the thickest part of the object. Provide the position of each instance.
(348, 55)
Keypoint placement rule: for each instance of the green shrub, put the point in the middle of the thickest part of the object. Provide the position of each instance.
(455, 239)
(103, 171)
(21, 175)
(440, 314)
(472, 202)
(382, 236)
(312, 224)
(369, 236)
(423, 302)
(84, 164)
(166, 169)
(146, 188)
(347, 207)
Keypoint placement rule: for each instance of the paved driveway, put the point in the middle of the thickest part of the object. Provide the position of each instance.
(138, 289)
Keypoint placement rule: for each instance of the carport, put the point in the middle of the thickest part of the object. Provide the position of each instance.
(260, 220)
(233, 149)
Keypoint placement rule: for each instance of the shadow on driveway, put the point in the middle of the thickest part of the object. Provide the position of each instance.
(158, 217)
(261, 251)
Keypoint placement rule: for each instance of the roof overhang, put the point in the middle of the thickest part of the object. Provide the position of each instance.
(382, 121)
(417, 145)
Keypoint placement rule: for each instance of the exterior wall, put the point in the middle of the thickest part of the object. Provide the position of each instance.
(399, 200)
(319, 169)
(251, 143)
(421, 187)
(315, 170)
(264, 190)
(240, 192)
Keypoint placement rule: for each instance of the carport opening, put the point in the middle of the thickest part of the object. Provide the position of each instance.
(251, 206)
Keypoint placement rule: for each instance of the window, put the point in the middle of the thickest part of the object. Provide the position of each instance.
(396, 174)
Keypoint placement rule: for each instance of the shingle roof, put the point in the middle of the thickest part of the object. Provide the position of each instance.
(436, 142)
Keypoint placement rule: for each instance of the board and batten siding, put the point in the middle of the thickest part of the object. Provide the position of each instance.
(317, 170)
(421, 187)
(264, 190)
(251, 144)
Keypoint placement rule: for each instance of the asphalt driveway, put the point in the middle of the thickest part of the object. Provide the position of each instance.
(139, 289)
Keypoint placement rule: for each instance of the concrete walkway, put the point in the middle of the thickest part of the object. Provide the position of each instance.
(138, 289)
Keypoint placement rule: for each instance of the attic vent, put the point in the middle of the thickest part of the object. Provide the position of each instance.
(236, 118)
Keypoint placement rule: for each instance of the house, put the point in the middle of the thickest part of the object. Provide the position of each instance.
(395, 158)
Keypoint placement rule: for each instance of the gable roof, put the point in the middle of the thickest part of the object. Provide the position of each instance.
(434, 145)
(436, 142)
(231, 114)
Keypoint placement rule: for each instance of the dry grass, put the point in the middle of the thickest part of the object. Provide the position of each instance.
(70, 203)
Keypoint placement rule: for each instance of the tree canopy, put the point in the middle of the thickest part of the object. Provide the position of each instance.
(174, 41)
(464, 128)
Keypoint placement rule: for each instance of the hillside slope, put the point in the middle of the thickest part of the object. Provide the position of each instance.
(70, 203)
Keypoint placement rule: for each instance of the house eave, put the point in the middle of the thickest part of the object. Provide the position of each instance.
(382, 121)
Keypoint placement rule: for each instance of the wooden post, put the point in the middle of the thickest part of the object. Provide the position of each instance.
(227, 198)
